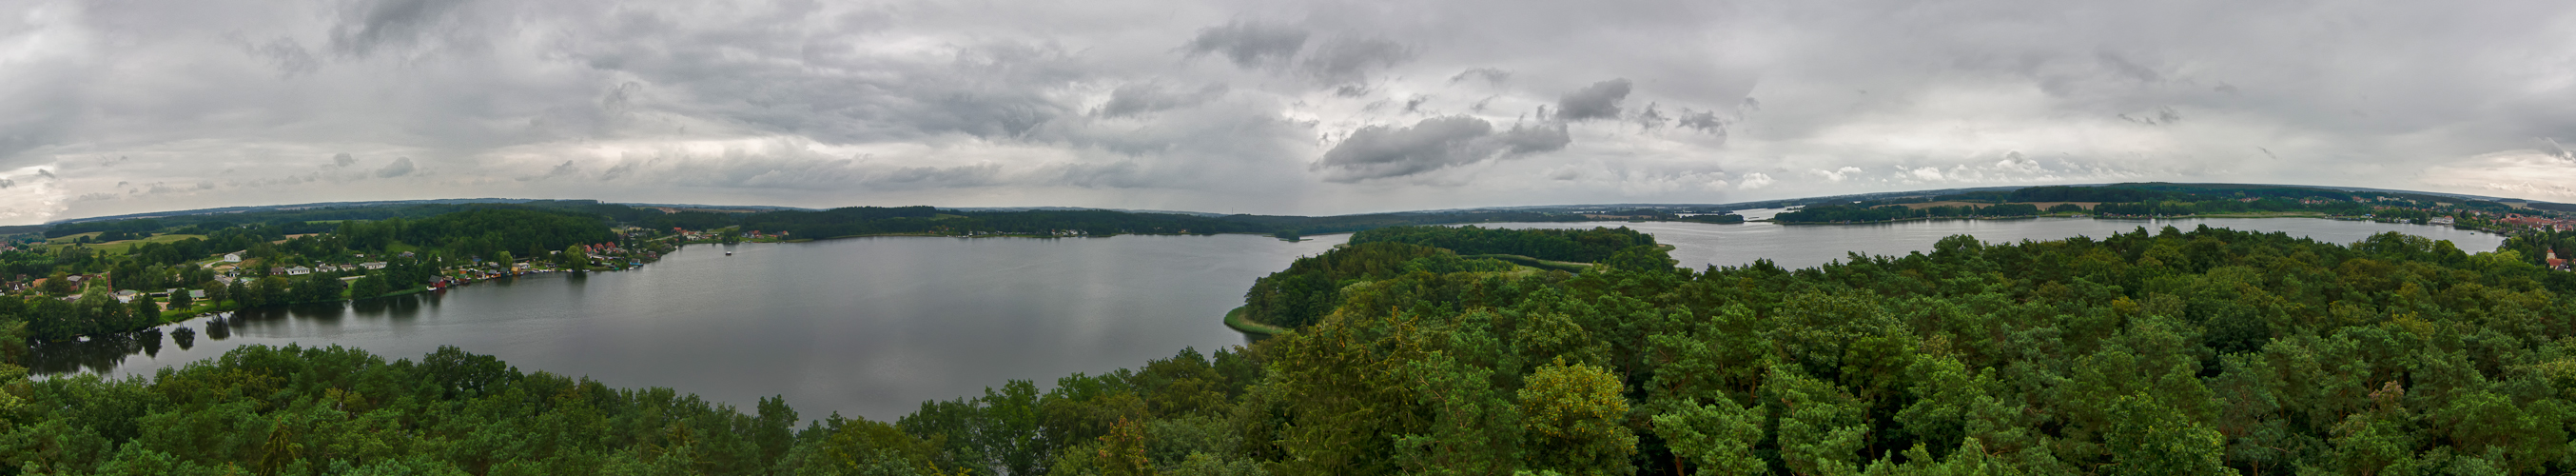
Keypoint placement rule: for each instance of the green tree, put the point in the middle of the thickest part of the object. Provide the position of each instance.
(574, 258)
(58, 284)
(367, 287)
(1640, 258)
(1575, 416)
(147, 312)
(1717, 438)
(238, 291)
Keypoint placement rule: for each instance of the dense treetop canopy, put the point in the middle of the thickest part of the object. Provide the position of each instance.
(2206, 351)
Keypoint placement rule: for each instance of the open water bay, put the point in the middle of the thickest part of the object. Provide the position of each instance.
(875, 326)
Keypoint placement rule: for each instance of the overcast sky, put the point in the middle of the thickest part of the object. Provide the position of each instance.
(1279, 107)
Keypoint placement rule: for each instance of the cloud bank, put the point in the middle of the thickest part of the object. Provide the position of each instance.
(1260, 107)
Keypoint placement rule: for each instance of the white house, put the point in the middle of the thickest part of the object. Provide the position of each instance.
(372, 265)
(298, 271)
(233, 257)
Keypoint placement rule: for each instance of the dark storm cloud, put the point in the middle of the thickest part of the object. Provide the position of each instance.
(1598, 101)
(1249, 44)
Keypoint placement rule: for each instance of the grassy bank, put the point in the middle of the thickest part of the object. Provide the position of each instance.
(1569, 267)
(1236, 320)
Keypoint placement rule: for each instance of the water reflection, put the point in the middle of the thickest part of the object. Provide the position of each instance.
(98, 354)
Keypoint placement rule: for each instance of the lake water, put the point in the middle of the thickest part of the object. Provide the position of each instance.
(875, 326)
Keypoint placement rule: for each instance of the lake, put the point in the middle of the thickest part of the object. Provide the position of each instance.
(874, 326)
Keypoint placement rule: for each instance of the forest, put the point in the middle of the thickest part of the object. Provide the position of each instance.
(1312, 286)
(2140, 200)
(2206, 351)
(1861, 214)
(61, 309)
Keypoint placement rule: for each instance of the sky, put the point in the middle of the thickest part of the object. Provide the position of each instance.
(1275, 107)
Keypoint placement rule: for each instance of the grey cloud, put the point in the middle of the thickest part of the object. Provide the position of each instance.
(369, 25)
(2128, 68)
(1141, 98)
(1110, 175)
(1530, 139)
(342, 160)
(289, 57)
(1386, 151)
(1432, 144)
(2162, 116)
(979, 174)
(401, 166)
(1598, 101)
(1350, 60)
(1249, 44)
(500, 90)
(1490, 75)
(1651, 118)
(1703, 121)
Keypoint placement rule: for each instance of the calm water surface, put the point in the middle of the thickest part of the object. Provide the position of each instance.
(867, 326)
(875, 326)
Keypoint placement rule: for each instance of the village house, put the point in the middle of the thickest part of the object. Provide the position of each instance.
(298, 271)
(372, 265)
(233, 257)
(2554, 262)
